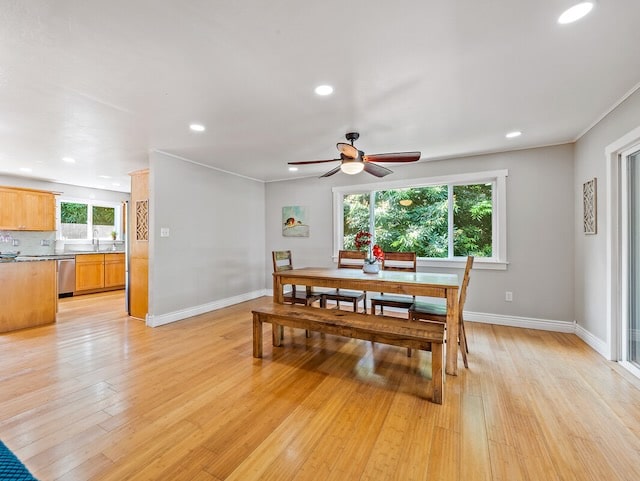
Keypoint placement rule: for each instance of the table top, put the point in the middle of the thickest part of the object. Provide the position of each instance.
(435, 279)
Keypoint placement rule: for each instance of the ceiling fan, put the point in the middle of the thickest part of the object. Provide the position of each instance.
(354, 161)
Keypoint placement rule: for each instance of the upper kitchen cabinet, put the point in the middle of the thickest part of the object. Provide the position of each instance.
(27, 209)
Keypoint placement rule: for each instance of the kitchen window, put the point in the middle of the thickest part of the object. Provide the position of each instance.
(442, 219)
(82, 220)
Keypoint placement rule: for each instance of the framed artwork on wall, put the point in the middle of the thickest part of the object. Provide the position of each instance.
(590, 206)
(295, 222)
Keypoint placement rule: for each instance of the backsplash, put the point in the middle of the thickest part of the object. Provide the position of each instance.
(29, 242)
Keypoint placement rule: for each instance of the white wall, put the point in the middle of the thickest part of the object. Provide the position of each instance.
(214, 255)
(540, 220)
(590, 250)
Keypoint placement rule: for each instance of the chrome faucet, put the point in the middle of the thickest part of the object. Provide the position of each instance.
(96, 240)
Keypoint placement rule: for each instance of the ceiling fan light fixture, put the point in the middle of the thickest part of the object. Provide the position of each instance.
(351, 167)
(575, 12)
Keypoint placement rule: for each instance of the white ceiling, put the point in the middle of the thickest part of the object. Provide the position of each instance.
(105, 82)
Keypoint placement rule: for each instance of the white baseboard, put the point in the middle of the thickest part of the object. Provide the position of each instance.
(593, 342)
(512, 321)
(517, 321)
(161, 319)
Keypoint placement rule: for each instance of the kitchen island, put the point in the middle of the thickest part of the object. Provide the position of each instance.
(28, 293)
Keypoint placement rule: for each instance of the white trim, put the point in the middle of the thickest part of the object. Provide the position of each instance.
(607, 112)
(613, 268)
(162, 319)
(184, 159)
(632, 368)
(499, 218)
(593, 342)
(522, 322)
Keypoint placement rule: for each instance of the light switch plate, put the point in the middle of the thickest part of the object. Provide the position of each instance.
(164, 232)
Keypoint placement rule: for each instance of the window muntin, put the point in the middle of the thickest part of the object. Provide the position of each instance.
(441, 219)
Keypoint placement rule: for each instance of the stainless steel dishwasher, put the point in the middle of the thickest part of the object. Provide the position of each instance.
(66, 276)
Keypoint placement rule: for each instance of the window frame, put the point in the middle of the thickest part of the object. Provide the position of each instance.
(499, 214)
(90, 203)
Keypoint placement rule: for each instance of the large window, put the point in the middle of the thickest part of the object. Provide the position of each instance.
(84, 220)
(445, 218)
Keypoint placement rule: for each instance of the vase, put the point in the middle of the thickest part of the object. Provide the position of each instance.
(371, 268)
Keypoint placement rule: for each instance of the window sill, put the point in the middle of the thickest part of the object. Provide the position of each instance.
(458, 264)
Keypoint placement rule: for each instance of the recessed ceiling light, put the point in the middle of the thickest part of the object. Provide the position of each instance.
(293, 169)
(69, 160)
(197, 127)
(514, 134)
(26, 169)
(576, 12)
(324, 90)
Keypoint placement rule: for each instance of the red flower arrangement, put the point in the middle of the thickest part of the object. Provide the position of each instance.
(363, 241)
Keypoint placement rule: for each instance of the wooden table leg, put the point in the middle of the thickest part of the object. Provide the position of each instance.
(257, 335)
(452, 332)
(277, 333)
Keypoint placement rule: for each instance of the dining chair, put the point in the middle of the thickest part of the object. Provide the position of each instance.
(395, 261)
(282, 261)
(432, 312)
(348, 260)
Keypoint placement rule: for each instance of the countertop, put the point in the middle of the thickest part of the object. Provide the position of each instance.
(55, 257)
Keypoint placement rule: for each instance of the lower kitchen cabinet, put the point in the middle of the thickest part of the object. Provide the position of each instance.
(28, 296)
(96, 272)
(114, 270)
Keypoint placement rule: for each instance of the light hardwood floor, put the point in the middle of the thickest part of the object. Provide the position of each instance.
(99, 396)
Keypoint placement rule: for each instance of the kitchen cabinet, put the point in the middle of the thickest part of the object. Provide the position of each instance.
(27, 209)
(113, 270)
(89, 272)
(96, 272)
(28, 295)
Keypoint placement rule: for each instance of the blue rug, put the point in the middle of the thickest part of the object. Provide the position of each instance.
(11, 469)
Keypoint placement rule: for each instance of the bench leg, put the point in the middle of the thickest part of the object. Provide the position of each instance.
(437, 374)
(257, 336)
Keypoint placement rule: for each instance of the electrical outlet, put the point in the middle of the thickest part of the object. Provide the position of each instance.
(15, 242)
(164, 232)
(45, 242)
(508, 296)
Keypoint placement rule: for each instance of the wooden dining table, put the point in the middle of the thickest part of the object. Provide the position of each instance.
(391, 282)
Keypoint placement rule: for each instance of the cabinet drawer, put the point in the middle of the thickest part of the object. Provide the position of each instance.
(89, 258)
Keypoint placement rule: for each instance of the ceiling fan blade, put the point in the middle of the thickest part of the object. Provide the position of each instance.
(304, 162)
(376, 170)
(347, 150)
(331, 172)
(395, 157)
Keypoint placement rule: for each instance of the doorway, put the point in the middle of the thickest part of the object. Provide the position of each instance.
(630, 259)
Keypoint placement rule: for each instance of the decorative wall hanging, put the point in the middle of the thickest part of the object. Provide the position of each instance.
(590, 206)
(142, 220)
(295, 221)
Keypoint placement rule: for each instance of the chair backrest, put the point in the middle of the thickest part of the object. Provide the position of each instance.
(351, 259)
(281, 261)
(399, 261)
(465, 282)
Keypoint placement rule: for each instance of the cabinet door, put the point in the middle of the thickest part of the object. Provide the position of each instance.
(9, 200)
(89, 272)
(113, 270)
(38, 211)
(27, 210)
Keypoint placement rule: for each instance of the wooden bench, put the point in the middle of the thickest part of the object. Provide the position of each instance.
(383, 329)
